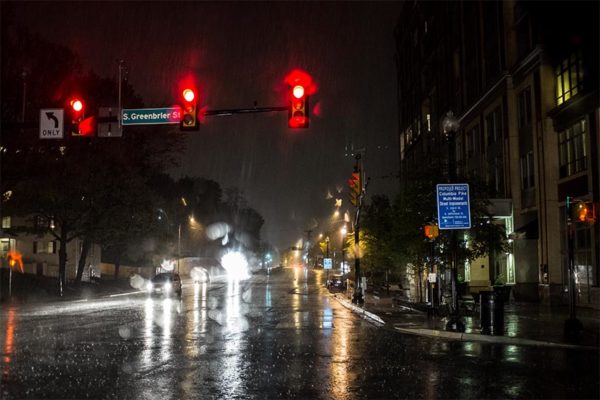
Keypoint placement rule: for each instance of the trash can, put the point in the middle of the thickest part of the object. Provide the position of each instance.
(491, 313)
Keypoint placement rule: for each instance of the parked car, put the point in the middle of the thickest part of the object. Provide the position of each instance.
(166, 284)
(336, 282)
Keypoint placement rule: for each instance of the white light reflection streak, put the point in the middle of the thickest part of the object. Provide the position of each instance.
(148, 336)
(165, 346)
(296, 301)
(231, 364)
(339, 360)
(268, 296)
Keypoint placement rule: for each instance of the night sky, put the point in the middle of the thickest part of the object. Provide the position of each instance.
(240, 54)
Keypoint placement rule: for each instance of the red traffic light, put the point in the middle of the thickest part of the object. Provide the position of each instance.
(298, 91)
(76, 105)
(301, 86)
(189, 95)
(189, 112)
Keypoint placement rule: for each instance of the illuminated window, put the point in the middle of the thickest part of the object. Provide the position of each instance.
(40, 247)
(510, 258)
(572, 149)
(569, 77)
(583, 257)
(6, 222)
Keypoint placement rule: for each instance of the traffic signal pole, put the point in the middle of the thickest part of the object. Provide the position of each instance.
(573, 326)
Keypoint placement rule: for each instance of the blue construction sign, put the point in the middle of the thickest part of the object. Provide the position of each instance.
(454, 211)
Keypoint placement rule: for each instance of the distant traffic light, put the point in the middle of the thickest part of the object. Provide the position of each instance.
(583, 212)
(189, 111)
(431, 231)
(355, 186)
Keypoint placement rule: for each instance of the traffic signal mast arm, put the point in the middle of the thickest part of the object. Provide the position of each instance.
(232, 111)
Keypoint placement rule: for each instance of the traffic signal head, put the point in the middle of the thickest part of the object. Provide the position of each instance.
(431, 231)
(583, 212)
(189, 111)
(300, 86)
(77, 125)
(355, 186)
(298, 108)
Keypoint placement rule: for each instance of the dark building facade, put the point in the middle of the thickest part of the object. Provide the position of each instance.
(521, 79)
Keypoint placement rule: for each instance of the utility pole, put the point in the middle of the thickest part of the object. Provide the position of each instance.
(573, 326)
(358, 296)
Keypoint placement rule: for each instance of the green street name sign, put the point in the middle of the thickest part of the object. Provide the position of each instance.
(151, 116)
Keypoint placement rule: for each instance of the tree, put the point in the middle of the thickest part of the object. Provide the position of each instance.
(396, 231)
(87, 183)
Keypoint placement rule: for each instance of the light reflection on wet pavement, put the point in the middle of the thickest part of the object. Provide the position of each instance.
(277, 336)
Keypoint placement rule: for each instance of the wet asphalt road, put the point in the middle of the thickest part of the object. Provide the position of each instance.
(278, 336)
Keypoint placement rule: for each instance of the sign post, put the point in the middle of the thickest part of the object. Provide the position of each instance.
(454, 213)
(327, 265)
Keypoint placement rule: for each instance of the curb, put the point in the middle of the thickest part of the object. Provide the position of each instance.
(365, 314)
(474, 337)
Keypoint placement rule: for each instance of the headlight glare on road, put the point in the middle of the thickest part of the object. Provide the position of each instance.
(168, 287)
(149, 286)
(236, 265)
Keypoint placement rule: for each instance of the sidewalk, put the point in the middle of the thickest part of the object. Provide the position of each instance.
(28, 288)
(524, 323)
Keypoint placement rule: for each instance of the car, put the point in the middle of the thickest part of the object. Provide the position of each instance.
(336, 281)
(166, 284)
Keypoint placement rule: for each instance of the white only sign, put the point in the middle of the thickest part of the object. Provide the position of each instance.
(51, 123)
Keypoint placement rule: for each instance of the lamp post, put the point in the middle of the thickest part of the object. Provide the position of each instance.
(450, 125)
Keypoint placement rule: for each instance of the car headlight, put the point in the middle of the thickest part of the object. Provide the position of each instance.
(149, 286)
(168, 287)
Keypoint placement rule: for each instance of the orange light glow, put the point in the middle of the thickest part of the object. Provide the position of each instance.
(15, 258)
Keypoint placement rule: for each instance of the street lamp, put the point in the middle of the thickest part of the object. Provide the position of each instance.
(450, 126)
